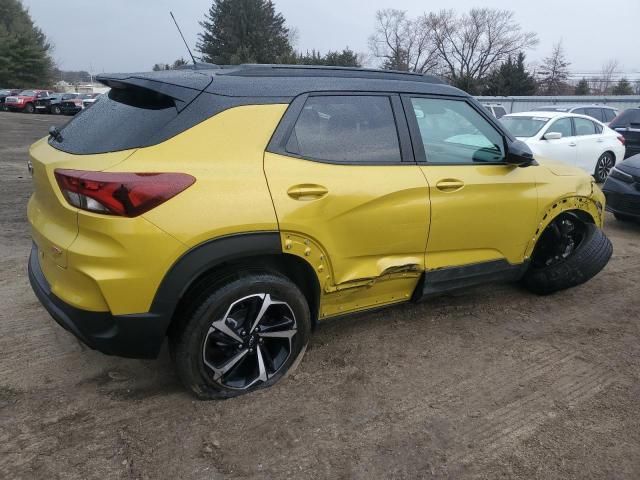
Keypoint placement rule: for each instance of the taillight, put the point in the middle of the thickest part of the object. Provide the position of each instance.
(621, 139)
(123, 194)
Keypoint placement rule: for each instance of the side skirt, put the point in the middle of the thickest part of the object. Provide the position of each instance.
(435, 282)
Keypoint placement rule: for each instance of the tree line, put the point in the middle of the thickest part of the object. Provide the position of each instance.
(482, 51)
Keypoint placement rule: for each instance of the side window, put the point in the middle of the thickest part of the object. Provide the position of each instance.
(598, 128)
(584, 126)
(594, 113)
(562, 126)
(580, 111)
(346, 128)
(500, 112)
(608, 114)
(453, 132)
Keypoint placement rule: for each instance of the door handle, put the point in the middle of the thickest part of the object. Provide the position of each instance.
(449, 185)
(600, 140)
(572, 144)
(307, 192)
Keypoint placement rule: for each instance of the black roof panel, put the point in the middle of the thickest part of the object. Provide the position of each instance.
(284, 81)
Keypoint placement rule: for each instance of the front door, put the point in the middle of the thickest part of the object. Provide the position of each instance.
(482, 209)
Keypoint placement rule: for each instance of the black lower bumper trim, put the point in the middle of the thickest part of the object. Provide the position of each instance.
(132, 336)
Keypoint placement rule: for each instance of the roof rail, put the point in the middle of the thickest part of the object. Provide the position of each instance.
(278, 70)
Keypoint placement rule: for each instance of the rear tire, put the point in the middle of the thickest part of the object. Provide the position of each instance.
(603, 167)
(56, 110)
(241, 334)
(550, 273)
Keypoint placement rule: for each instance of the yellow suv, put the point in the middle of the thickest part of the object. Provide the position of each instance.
(232, 209)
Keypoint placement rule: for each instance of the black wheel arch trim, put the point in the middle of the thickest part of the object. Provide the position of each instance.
(203, 258)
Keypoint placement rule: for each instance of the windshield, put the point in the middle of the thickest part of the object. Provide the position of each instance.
(524, 126)
(28, 93)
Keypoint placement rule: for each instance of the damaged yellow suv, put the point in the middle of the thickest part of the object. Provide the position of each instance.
(232, 209)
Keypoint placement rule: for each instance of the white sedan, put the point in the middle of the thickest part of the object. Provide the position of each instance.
(574, 139)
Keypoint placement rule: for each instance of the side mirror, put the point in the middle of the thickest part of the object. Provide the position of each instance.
(552, 136)
(519, 153)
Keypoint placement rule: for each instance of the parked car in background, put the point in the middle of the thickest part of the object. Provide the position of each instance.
(51, 104)
(74, 105)
(4, 93)
(599, 112)
(25, 101)
(87, 102)
(495, 109)
(627, 124)
(574, 139)
(622, 190)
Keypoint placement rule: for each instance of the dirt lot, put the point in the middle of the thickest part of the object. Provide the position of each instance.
(489, 383)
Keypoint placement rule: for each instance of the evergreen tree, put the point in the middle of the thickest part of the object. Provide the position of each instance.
(511, 78)
(623, 87)
(24, 51)
(244, 31)
(582, 88)
(345, 58)
(554, 72)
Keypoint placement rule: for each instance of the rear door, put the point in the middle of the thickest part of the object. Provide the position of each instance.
(342, 173)
(590, 143)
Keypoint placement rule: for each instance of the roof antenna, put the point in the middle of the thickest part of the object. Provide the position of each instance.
(195, 64)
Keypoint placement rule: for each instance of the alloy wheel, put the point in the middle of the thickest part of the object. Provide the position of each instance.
(604, 166)
(250, 343)
(560, 240)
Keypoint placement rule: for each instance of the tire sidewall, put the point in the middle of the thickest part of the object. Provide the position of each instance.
(213, 305)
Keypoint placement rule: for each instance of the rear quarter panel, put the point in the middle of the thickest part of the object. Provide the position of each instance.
(225, 154)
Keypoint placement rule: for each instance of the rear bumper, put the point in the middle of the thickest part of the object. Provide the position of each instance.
(132, 336)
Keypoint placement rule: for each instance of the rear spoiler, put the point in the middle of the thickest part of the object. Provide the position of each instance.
(182, 87)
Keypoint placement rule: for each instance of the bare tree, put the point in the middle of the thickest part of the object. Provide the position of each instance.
(403, 43)
(607, 72)
(472, 44)
(554, 72)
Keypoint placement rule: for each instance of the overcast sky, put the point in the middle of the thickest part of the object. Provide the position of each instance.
(132, 35)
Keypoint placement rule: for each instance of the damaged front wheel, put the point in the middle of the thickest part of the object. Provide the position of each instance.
(568, 253)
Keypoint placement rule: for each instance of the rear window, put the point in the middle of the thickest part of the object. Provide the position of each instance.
(524, 126)
(123, 119)
(628, 117)
(550, 109)
(500, 112)
(134, 117)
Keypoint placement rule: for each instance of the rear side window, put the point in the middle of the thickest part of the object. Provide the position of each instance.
(608, 114)
(584, 126)
(594, 113)
(346, 129)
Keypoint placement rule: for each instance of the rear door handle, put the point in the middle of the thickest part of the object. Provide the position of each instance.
(449, 185)
(307, 192)
(572, 144)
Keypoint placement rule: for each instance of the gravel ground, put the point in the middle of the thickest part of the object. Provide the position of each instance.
(492, 382)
